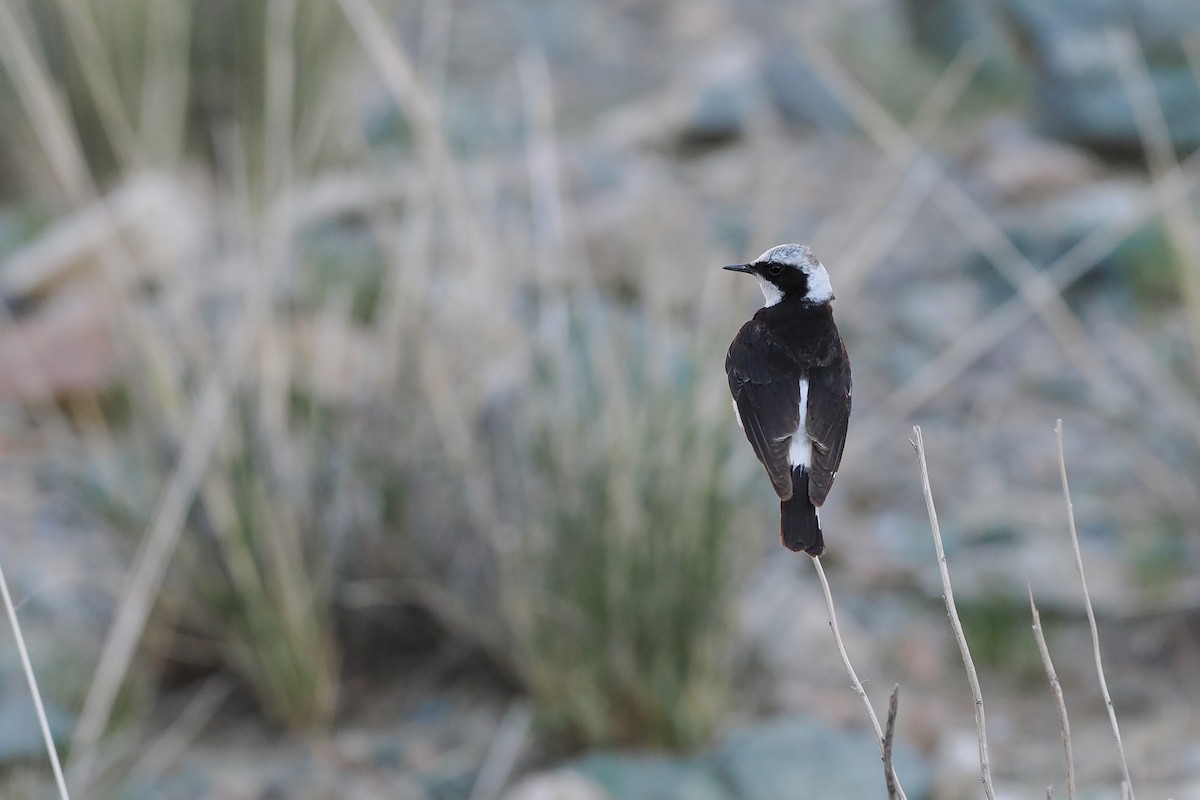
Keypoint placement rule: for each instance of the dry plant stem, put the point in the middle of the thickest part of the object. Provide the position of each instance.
(889, 735)
(154, 555)
(1064, 723)
(975, 223)
(885, 211)
(1127, 785)
(171, 744)
(966, 349)
(985, 768)
(1180, 221)
(27, 665)
(402, 81)
(503, 754)
(1038, 290)
(855, 682)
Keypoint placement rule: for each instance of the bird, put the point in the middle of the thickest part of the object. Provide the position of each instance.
(789, 375)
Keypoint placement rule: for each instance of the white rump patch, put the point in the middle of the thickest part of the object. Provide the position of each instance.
(737, 414)
(800, 451)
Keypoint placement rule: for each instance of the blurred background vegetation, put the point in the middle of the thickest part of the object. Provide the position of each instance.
(364, 429)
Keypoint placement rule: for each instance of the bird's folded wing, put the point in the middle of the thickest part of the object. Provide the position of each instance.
(767, 399)
(826, 422)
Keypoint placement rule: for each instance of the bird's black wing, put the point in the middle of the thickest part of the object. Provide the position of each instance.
(766, 391)
(826, 422)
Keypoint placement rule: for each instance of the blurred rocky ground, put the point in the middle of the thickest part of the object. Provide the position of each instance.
(690, 117)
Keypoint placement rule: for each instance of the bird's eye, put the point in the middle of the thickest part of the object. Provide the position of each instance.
(775, 269)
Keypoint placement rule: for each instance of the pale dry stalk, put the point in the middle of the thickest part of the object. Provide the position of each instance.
(855, 682)
(31, 678)
(1056, 687)
(985, 768)
(1127, 782)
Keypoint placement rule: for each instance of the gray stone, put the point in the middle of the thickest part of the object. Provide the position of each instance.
(1079, 94)
(803, 757)
(561, 784)
(724, 98)
(945, 27)
(630, 777)
(798, 93)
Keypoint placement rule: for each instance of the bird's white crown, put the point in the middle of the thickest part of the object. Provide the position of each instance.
(800, 257)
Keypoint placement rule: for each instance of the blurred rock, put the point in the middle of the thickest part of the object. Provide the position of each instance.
(653, 778)
(798, 93)
(725, 97)
(945, 27)
(151, 221)
(561, 784)
(714, 102)
(801, 757)
(1010, 164)
(64, 347)
(136, 235)
(1079, 95)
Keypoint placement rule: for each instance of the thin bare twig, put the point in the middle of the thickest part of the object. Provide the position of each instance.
(1127, 784)
(985, 768)
(1064, 723)
(27, 665)
(855, 682)
(889, 734)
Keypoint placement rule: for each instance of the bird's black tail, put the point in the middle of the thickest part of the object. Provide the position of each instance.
(799, 526)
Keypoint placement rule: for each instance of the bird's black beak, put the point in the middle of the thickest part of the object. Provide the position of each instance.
(738, 268)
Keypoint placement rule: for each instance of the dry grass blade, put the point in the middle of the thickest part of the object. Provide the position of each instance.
(171, 744)
(1064, 723)
(154, 555)
(502, 756)
(897, 190)
(1127, 784)
(902, 148)
(930, 379)
(411, 96)
(894, 781)
(985, 768)
(1038, 290)
(31, 80)
(27, 665)
(1148, 116)
(102, 83)
(889, 735)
